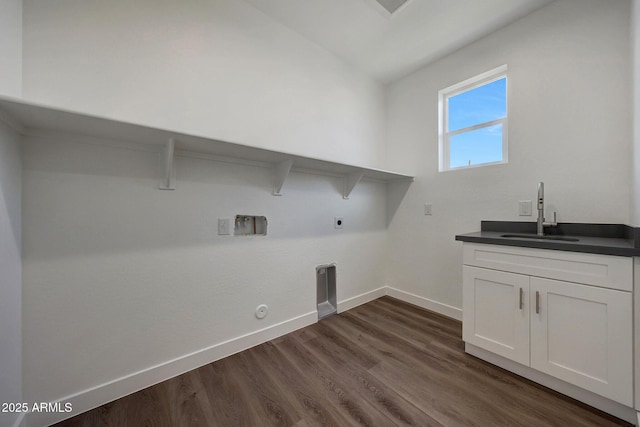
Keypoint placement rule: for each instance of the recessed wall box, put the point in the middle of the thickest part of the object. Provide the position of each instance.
(248, 225)
(326, 290)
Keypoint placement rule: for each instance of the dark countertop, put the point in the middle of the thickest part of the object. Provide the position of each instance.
(605, 239)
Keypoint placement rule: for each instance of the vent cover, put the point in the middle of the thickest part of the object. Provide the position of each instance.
(391, 6)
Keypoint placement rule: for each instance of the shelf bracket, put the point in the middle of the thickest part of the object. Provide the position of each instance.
(168, 171)
(280, 174)
(350, 182)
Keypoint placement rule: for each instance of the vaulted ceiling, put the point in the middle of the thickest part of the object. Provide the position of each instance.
(388, 46)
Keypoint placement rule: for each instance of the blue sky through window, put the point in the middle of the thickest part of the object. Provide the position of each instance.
(478, 146)
(479, 105)
(476, 106)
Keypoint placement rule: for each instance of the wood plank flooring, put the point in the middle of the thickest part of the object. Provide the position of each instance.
(385, 363)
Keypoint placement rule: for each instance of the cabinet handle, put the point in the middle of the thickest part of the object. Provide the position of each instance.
(521, 303)
(537, 302)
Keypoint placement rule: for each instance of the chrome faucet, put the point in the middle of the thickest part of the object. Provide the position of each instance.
(541, 223)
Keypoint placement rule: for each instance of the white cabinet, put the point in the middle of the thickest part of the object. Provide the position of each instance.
(578, 333)
(583, 335)
(495, 316)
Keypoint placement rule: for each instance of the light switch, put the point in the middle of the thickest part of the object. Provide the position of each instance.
(428, 209)
(524, 208)
(224, 226)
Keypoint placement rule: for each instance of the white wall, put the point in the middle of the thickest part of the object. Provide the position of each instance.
(11, 47)
(120, 277)
(569, 126)
(217, 68)
(635, 67)
(10, 270)
(124, 284)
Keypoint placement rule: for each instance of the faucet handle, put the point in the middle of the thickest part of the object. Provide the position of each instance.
(551, 224)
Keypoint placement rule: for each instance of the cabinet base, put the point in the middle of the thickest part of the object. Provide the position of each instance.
(602, 403)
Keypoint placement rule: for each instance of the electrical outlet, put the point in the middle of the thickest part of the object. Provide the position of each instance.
(261, 311)
(338, 222)
(428, 208)
(525, 208)
(224, 226)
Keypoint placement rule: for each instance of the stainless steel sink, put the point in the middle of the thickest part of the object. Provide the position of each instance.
(535, 236)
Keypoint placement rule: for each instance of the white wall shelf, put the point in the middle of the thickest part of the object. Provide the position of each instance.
(26, 116)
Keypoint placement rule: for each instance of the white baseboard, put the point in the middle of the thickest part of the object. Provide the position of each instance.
(96, 396)
(104, 393)
(352, 302)
(435, 306)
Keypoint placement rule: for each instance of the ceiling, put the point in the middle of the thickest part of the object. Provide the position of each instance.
(389, 46)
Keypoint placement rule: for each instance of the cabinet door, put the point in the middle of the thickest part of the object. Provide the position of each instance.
(496, 312)
(583, 335)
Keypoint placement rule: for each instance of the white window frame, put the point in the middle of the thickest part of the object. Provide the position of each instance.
(444, 135)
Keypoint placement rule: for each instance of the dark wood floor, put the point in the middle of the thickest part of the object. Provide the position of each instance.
(385, 363)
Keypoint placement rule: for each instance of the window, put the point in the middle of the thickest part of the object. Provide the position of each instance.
(473, 121)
